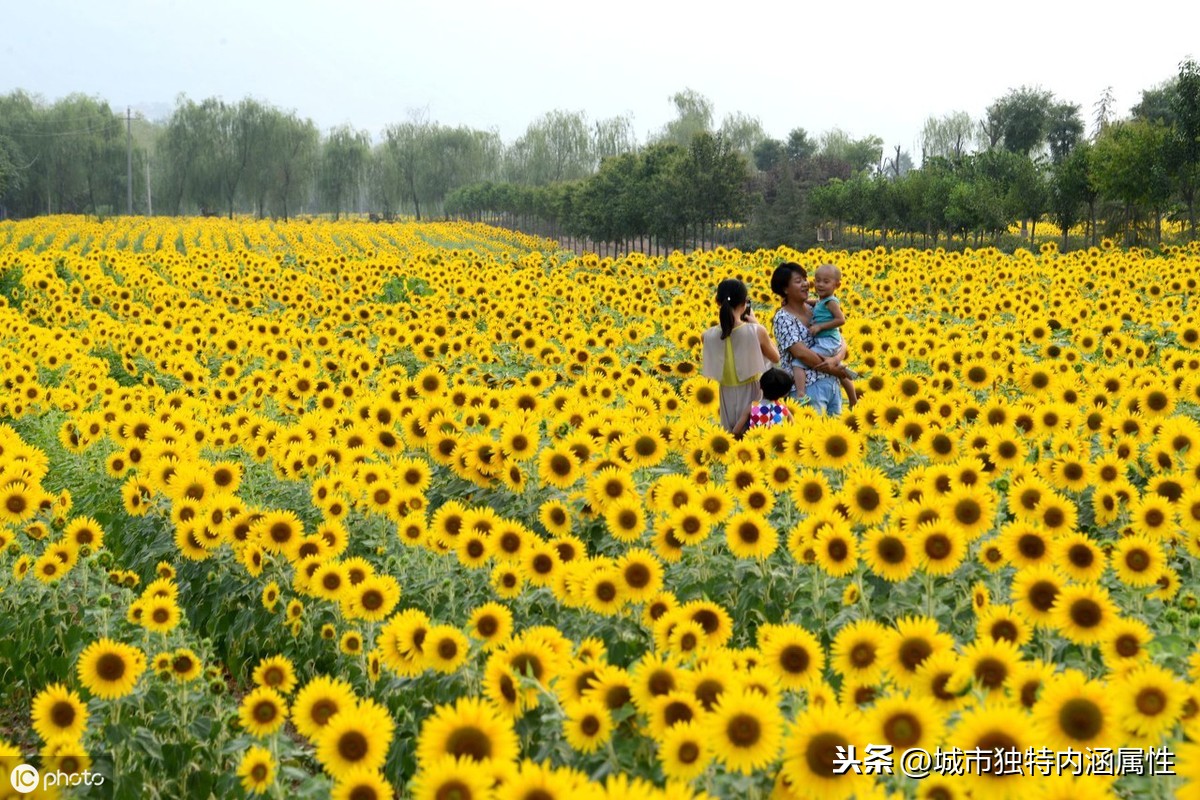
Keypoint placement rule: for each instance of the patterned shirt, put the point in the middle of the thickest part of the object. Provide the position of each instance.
(765, 413)
(788, 331)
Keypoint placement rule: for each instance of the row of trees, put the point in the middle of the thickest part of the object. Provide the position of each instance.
(1028, 158)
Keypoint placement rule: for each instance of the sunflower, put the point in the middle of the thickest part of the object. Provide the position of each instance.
(541, 564)
(279, 531)
(744, 731)
(18, 502)
(587, 724)
(889, 553)
(59, 712)
(446, 649)
(1034, 592)
(555, 517)
(812, 748)
(1153, 516)
(810, 491)
(989, 663)
(625, 519)
(557, 467)
(1003, 622)
(1149, 701)
(832, 445)
(655, 675)
(507, 581)
(613, 685)
(971, 509)
(913, 640)
(256, 769)
(1124, 644)
(1024, 543)
(1082, 613)
(684, 751)
(262, 711)
(356, 737)
(940, 545)
(492, 624)
(160, 615)
(469, 729)
(109, 669)
(84, 532)
(448, 777)
(712, 617)
(372, 599)
(318, 702)
(868, 494)
(792, 653)
(1078, 556)
(855, 651)
(749, 535)
(184, 665)
(835, 546)
(1138, 560)
(904, 723)
(641, 575)
(999, 731)
(361, 783)
(1073, 711)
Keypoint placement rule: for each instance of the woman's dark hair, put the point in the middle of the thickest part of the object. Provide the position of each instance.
(782, 276)
(731, 293)
(775, 383)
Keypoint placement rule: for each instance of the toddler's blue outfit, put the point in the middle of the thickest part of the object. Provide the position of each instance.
(828, 341)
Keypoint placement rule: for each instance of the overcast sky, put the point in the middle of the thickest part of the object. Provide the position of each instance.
(867, 67)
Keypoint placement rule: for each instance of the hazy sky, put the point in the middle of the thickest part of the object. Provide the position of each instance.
(866, 67)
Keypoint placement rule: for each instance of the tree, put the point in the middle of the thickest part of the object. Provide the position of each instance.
(947, 137)
(297, 143)
(343, 163)
(612, 137)
(1064, 130)
(898, 164)
(1183, 152)
(1129, 166)
(1020, 119)
(861, 155)
(694, 115)
(768, 154)
(1103, 111)
(555, 147)
(406, 145)
(799, 146)
(1070, 188)
(744, 133)
(1157, 104)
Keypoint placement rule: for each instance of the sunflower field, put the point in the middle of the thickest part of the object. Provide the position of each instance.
(439, 511)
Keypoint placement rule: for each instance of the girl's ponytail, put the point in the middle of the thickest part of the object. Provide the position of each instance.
(726, 317)
(731, 293)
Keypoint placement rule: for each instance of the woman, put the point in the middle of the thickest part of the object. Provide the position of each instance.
(790, 283)
(736, 352)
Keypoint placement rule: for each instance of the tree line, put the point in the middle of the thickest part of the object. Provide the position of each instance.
(695, 181)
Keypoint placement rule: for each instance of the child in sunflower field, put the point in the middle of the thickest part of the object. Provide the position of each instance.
(827, 317)
(776, 384)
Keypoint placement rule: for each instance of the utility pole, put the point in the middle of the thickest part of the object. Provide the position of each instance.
(128, 161)
(149, 203)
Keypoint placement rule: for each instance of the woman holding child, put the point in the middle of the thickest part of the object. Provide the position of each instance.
(815, 361)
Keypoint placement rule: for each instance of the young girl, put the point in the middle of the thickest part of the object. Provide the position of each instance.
(736, 352)
(776, 384)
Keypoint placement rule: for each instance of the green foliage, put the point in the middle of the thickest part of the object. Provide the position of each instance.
(402, 290)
